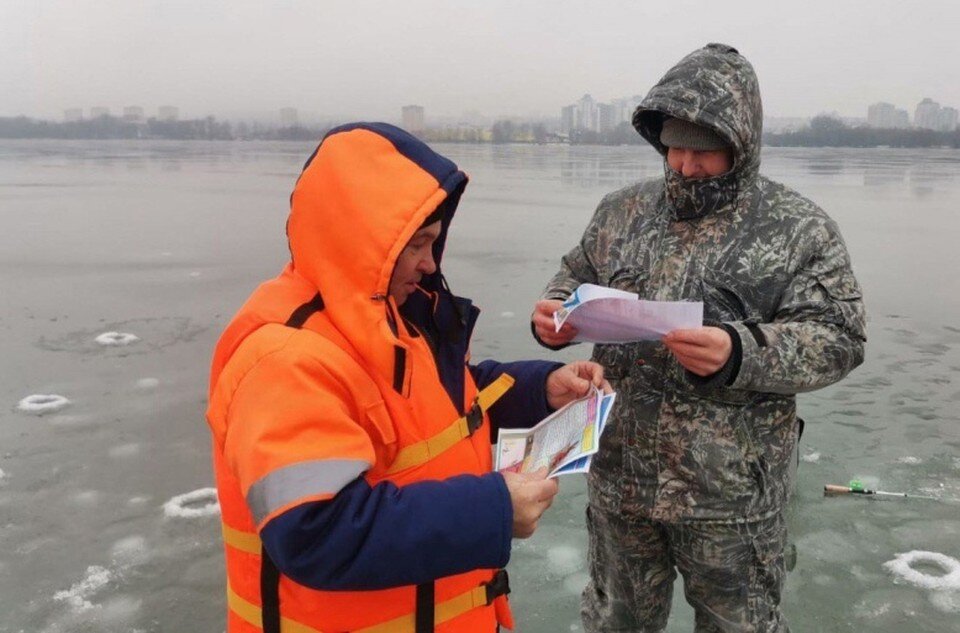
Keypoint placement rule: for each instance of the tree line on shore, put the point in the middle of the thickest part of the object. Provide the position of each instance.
(821, 131)
(826, 131)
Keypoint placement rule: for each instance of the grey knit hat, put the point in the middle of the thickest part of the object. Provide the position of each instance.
(686, 135)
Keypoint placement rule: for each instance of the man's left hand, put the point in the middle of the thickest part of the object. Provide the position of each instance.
(702, 350)
(574, 381)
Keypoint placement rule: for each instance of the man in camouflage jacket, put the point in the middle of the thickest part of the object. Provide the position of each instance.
(693, 472)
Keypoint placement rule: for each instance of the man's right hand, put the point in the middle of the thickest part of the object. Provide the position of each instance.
(531, 494)
(544, 327)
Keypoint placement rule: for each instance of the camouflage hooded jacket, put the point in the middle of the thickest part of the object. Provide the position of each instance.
(765, 261)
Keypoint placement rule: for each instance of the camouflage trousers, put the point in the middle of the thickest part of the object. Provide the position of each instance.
(733, 573)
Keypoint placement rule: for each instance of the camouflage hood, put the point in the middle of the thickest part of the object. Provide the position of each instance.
(715, 87)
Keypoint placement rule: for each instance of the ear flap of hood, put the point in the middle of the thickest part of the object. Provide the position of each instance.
(715, 87)
(365, 191)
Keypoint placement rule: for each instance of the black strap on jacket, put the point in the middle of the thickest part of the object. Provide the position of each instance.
(269, 593)
(498, 586)
(305, 311)
(424, 613)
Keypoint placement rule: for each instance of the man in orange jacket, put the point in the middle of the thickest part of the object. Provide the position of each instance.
(352, 436)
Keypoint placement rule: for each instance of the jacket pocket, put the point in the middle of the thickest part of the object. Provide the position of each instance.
(721, 301)
(628, 278)
(380, 422)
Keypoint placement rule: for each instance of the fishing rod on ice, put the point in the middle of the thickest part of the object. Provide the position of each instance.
(856, 487)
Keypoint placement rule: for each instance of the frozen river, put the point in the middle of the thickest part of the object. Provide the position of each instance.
(164, 240)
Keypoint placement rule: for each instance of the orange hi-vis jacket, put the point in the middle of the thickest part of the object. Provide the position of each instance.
(319, 381)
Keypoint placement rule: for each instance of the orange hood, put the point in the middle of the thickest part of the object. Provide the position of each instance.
(365, 191)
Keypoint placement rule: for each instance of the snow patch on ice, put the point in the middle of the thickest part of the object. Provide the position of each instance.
(507, 314)
(128, 551)
(41, 403)
(564, 559)
(195, 274)
(137, 501)
(811, 458)
(116, 339)
(124, 450)
(872, 611)
(909, 459)
(77, 595)
(3, 475)
(178, 506)
(902, 566)
(147, 383)
(574, 583)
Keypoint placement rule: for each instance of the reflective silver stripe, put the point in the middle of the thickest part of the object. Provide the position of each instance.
(303, 479)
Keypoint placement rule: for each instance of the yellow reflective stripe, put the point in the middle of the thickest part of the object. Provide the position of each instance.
(492, 392)
(251, 613)
(458, 605)
(247, 542)
(424, 451)
(443, 611)
(421, 452)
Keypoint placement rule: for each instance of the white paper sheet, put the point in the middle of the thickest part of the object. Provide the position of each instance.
(607, 315)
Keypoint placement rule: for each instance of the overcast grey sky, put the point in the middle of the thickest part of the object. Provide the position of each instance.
(365, 59)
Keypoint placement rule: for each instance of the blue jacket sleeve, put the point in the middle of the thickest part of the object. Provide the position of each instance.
(384, 536)
(525, 403)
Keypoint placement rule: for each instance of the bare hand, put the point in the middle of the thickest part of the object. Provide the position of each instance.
(531, 494)
(703, 350)
(544, 326)
(573, 381)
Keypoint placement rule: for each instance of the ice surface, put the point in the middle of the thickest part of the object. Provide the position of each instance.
(86, 497)
(129, 551)
(507, 315)
(869, 609)
(42, 403)
(124, 450)
(116, 339)
(119, 609)
(574, 583)
(179, 587)
(177, 506)
(827, 545)
(902, 566)
(946, 601)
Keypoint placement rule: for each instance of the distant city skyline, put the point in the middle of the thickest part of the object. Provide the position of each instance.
(586, 113)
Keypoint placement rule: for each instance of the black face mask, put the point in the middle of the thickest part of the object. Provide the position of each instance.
(692, 198)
